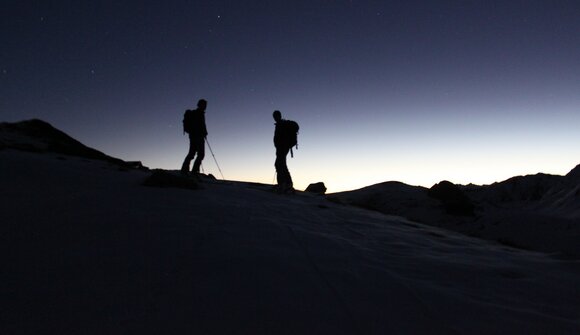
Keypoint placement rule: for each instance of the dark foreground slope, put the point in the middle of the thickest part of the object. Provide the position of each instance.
(90, 250)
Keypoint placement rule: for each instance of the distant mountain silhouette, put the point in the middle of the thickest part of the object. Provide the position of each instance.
(550, 194)
(521, 188)
(39, 136)
(538, 212)
(574, 174)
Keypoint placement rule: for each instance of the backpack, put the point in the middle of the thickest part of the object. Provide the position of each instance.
(290, 134)
(187, 120)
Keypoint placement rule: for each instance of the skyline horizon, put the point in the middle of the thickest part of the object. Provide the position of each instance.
(214, 171)
(413, 91)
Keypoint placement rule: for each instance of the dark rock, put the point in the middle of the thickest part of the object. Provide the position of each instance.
(160, 178)
(452, 197)
(135, 165)
(317, 188)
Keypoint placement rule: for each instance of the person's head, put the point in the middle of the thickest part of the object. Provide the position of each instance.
(202, 104)
(277, 116)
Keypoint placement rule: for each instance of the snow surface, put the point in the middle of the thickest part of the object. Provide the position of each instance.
(537, 212)
(89, 250)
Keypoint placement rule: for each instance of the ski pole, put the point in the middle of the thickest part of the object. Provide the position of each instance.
(216, 163)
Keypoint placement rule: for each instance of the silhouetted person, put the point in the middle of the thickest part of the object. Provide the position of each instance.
(194, 125)
(284, 139)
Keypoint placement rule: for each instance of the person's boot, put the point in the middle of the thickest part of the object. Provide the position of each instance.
(289, 189)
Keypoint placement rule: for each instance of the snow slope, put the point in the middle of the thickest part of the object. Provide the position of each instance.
(537, 212)
(87, 249)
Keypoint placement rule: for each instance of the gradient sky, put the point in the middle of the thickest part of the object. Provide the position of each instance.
(414, 91)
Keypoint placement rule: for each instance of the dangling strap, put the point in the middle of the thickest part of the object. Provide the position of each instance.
(291, 153)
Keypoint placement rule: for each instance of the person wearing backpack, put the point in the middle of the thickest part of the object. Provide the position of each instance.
(285, 137)
(194, 125)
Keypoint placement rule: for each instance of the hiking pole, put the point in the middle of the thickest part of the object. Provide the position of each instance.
(216, 163)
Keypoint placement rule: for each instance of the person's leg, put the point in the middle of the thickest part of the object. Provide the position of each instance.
(200, 149)
(189, 157)
(281, 167)
(289, 179)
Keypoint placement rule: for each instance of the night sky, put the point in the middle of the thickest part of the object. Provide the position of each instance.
(414, 91)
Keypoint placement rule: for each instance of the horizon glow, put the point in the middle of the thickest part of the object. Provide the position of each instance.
(415, 92)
